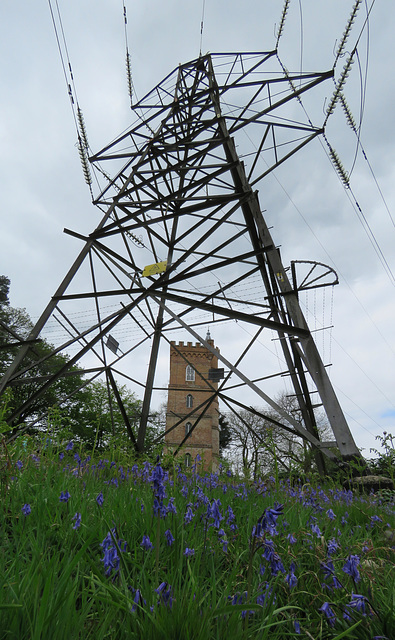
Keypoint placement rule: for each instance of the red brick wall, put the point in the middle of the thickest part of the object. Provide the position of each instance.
(204, 438)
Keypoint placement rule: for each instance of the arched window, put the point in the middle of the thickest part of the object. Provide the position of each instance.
(189, 401)
(188, 427)
(188, 460)
(190, 373)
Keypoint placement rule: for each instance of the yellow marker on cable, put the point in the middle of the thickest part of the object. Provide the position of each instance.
(152, 269)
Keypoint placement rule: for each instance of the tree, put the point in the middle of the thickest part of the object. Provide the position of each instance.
(225, 435)
(15, 326)
(260, 445)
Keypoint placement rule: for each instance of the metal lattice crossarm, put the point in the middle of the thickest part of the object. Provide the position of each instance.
(183, 243)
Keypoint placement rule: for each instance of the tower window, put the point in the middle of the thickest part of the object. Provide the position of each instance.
(190, 373)
(188, 460)
(188, 428)
(189, 401)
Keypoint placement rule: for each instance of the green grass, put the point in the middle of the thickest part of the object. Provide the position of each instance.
(56, 581)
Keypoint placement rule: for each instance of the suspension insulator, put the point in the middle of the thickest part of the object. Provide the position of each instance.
(337, 163)
(84, 162)
(282, 21)
(129, 76)
(135, 239)
(339, 85)
(347, 30)
(81, 123)
(349, 117)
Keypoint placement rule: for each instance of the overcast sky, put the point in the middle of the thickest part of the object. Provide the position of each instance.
(311, 214)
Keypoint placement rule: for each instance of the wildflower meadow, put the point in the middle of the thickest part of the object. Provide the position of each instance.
(99, 548)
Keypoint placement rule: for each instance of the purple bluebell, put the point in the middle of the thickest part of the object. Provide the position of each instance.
(26, 509)
(351, 567)
(328, 611)
(146, 543)
(291, 538)
(77, 519)
(330, 514)
(268, 520)
(69, 446)
(100, 499)
(64, 496)
(110, 549)
(276, 564)
(110, 560)
(169, 537)
(165, 594)
(297, 627)
(359, 603)
(214, 513)
(291, 578)
(171, 507)
(138, 600)
(332, 547)
(19, 464)
(189, 515)
(231, 515)
(189, 552)
(157, 478)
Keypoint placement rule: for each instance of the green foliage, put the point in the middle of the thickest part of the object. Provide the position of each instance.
(57, 582)
(384, 462)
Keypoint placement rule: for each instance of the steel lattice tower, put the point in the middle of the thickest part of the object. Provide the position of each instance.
(183, 241)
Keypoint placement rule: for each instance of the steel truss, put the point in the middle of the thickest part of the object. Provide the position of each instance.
(183, 200)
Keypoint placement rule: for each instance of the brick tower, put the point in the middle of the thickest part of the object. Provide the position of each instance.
(191, 407)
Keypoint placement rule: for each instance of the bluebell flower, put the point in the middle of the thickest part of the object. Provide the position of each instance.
(332, 547)
(291, 578)
(330, 514)
(137, 599)
(100, 499)
(373, 520)
(268, 520)
(231, 515)
(146, 543)
(26, 509)
(358, 603)
(276, 564)
(69, 446)
(351, 567)
(329, 572)
(189, 515)
(111, 558)
(19, 464)
(169, 537)
(291, 538)
(189, 552)
(77, 519)
(315, 529)
(214, 513)
(326, 609)
(157, 479)
(165, 594)
(297, 627)
(171, 507)
(64, 496)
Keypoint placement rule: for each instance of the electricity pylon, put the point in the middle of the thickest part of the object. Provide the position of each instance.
(183, 242)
